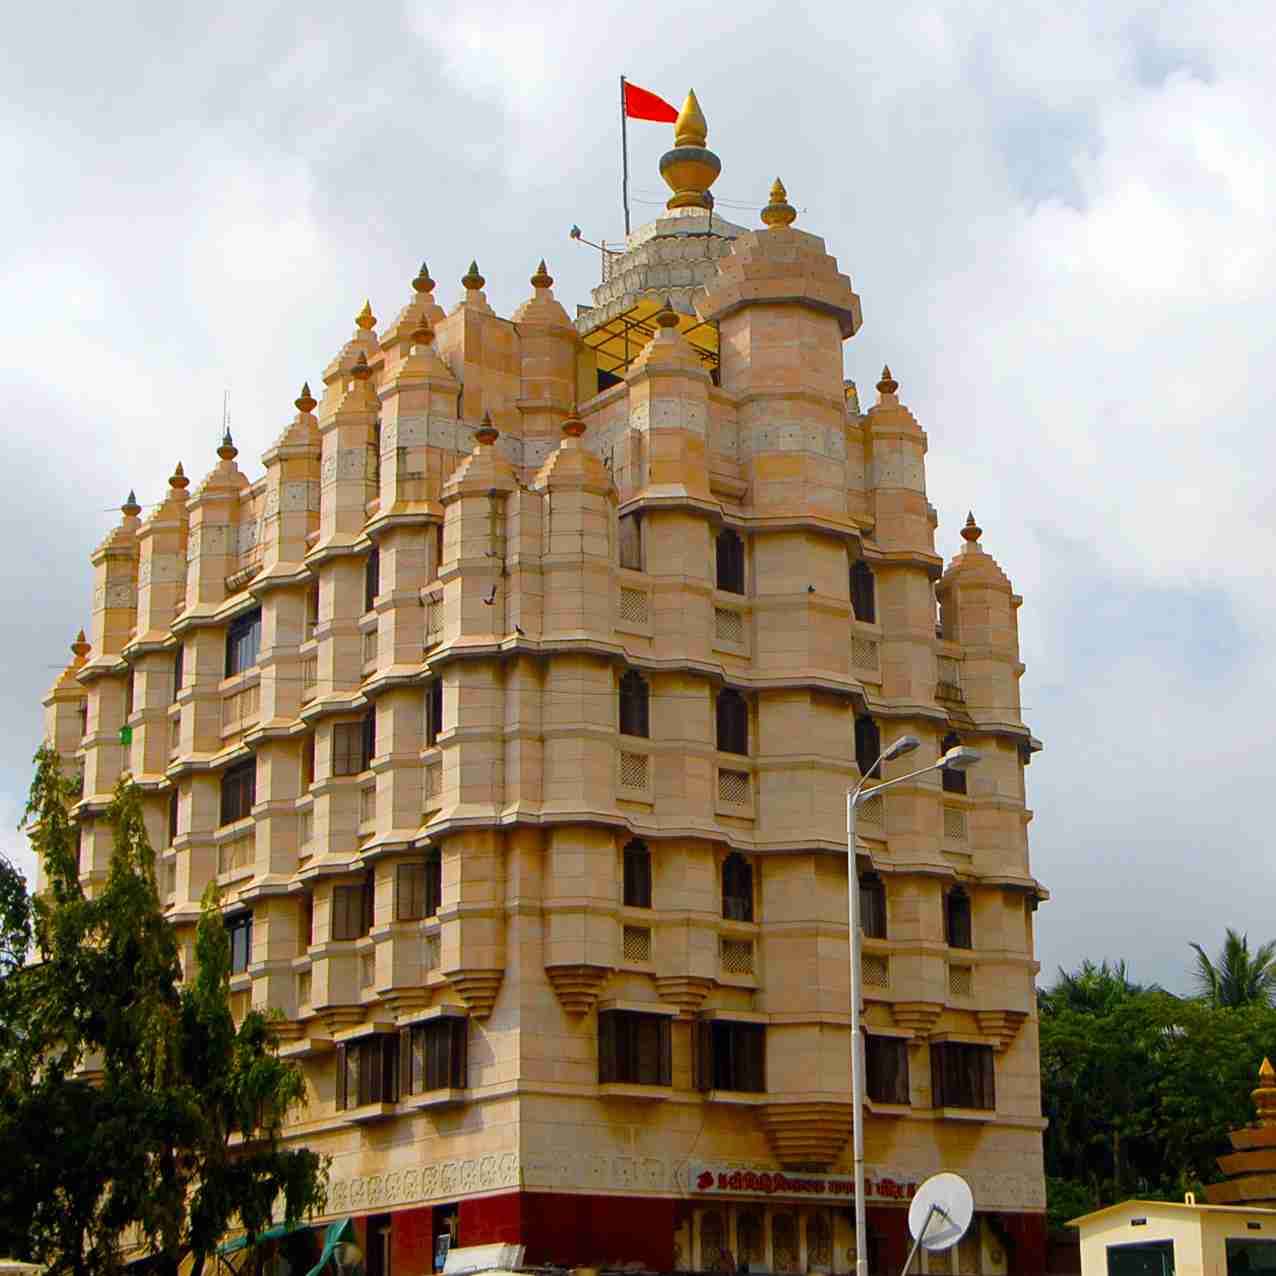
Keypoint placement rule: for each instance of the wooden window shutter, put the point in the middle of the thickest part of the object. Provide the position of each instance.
(405, 1061)
(665, 1039)
(341, 928)
(988, 1078)
(938, 1090)
(754, 1057)
(390, 1049)
(433, 886)
(703, 1060)
(460, 1053)
(606, 1048)
(342, 1103)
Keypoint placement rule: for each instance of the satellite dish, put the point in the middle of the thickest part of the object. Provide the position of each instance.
(941, 1212)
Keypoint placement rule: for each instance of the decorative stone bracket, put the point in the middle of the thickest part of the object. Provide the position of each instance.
(578, 985)
(919, 1017)
(687, 992)
(1001, 1025)
(477, 989)
(807, 1135)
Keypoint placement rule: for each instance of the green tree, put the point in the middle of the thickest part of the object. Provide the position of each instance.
(1238, 977)
(128, 1095)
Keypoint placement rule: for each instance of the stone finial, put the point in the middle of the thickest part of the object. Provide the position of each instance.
(779, 212)
(365, 319)
(888, 384)
(423, 282)
(422, 331)
(130, 508)
(178, 480)
(228, 451)
(667, 316)
(305, 401)
(542, 278)
(972, 531)
(80, 647)
(1265, 1096)
(472, 281)
(487, 433)
(573, 426)
(690, 168)
(361, 371)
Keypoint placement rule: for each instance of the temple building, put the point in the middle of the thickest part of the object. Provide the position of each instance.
(513, 711)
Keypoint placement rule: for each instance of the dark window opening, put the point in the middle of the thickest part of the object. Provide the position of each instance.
(179, 674)
(239, 931)
(239, 791)
(433, 1056)
(608, 379)
(368, 1071)
(886, 1069)
(418, 888)
(631, 542)
(305, 922)
(954, 781)
(352, 909)
(868, 748)
(962, 1076)
(243, 642)
(434, 713)
(1155, 1258)
(438, 550)
(635, 705)
(312, 613)
(371, 578)
(733, 722)
(737, 888)
(634, 1049)
(872, 906)
(730, 553)
(1244, 1257)
(730, 1056)
(863, 592)
(354, 744)
(307, 760)
(957, 932)
(637, 876)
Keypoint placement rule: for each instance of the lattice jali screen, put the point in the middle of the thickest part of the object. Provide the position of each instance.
(633, 606)
(736, 956)
(954, 824)
(871, 813)
(728, 625)
(734, 787)
(309, 678)
(370, 647)
(948, 676)
(433, 619)
(876, 970)
(303, 988)
(866, 654)
(961, 981)
(636, 944)
(434, 779)
(431, 949)
(635, 770)
(367, 970)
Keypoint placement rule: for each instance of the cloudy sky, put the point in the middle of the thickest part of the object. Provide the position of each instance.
(1058, 217)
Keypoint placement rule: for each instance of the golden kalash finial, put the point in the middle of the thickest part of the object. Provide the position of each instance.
(542, 278)
(690, 168)
(1265, 1096)
(130, 508)
(422, 332)
(80, 647)
(361, 371)
(365, 319)
(970, 534)
(228, 451)
(305, 401)
(667, 316)
(423, 282)
(779, 212)
(487, 433)
(573, 427)
(888, 384)
(178, 480)
(472, 281)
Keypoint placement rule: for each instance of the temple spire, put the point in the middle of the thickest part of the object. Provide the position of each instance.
(690, 168)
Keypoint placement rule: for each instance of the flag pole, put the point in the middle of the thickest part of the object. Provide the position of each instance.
(624, 155)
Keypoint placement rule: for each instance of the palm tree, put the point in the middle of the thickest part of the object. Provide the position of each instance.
(1238, 977)
(1092, 989)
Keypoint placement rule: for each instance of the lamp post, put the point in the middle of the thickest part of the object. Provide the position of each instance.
(956, 759)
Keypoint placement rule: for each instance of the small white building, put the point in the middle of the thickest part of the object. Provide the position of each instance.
(1173, 1238)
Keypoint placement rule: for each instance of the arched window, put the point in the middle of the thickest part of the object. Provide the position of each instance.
(954, 781)
(730, 562)
(863, 592)
(733, 722)
(637, 875)
(868, 747)
(371, 578)
(872, 906)
(957, 918)
(737, 888)
(634, 705)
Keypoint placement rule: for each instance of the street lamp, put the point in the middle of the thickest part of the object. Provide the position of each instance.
(958, 758)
